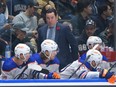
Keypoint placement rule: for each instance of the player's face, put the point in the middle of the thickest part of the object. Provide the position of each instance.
(25, 57)
(94, 64)
(53, 54)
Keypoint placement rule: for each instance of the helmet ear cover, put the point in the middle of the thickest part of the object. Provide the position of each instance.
(95, 56)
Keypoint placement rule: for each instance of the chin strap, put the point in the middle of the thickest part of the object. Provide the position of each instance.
(24, 58)
(49, 54)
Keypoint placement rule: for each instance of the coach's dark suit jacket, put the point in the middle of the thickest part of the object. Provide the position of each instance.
(68, 50)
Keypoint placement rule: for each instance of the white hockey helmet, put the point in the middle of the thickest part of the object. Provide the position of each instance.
(94, 56)
(21, 49)
(92, 40)
(49, 45)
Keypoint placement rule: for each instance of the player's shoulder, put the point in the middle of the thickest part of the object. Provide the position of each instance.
(9, 65)
(56, 61)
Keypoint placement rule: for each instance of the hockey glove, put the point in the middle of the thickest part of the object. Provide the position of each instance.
(53, 75)
(108, 75)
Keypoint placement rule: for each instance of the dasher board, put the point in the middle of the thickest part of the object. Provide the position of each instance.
(56, 83)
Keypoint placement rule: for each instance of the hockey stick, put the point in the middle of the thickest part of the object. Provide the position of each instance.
(112, 79)
(112, 67)
(79, 66)
(30, 66)
(35, 67)
(22, 72)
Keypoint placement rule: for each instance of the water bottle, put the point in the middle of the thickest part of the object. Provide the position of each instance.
(7, 51)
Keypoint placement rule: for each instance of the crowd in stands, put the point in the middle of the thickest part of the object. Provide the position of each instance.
(67, 22)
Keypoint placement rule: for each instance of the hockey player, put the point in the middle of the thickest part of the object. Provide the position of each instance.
(94, 42)
(87, 69)
(16, 67)
(47, 57)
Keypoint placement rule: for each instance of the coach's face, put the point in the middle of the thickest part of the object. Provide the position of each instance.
(51, 19)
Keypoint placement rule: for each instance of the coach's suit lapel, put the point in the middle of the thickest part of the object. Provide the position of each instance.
(45, 32)
(58, 27)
